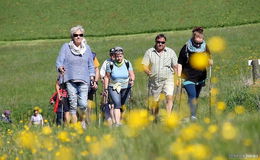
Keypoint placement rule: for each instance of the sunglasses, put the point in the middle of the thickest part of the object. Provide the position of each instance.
(118, 50)
(76, 35)
(160, 42)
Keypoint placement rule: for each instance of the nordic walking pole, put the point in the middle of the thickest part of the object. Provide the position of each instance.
(180, 98)
(210, 69)
(175, 97)
(96, 108)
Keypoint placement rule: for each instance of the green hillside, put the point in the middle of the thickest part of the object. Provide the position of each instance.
(48, 19)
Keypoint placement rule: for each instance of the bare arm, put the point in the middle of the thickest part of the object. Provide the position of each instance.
(131, 77)
(147, 70)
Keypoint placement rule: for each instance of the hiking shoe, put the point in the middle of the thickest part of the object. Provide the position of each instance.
(117, 125)
(193, 118)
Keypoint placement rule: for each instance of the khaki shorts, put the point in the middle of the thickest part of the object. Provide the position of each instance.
(157, 88)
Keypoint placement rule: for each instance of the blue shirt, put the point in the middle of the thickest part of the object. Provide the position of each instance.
(119, 74)
(77, 67)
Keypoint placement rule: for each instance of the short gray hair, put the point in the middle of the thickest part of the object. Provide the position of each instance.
(75, 29)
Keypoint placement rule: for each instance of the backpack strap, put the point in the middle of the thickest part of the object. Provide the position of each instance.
(127, 64)
(187, 53)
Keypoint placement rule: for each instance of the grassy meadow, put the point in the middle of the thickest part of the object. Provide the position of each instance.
(49, 19)
(28, 77)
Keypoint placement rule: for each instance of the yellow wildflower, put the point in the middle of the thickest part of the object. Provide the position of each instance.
(221, 106)
(3, 157)
(228, 131)
(213, 128)
(95, 148)
(171, 121)
(63, 136)
(216, 44)
(78, 127)
(108, 141)
(239, 109)
(88, 139)
(207, 120)
(138, 65)
(191, 132)
(46, 130)
(247, 142)
(64, 153)
(198, 151)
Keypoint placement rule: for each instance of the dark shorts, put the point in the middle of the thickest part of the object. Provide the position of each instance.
(64, 105)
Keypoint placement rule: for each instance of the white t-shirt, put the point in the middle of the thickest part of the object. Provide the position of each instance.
(103, 68)
(36, 119)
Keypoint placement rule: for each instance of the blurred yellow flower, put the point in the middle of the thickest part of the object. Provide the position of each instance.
(88, 139)
(171, 121)
(84, 153)
(247, 142)
(214, 91)
(27, 140)
(228, 131)
(190, 132)
(216, 44)
(48, 144)
(178, 148)
(199, 61)
(213, 128)
(221, 106)
(95, 148)
(64, 153)
(63, 136)
(78, 127)
(108, 141)
(138, 65)
(45, 121)
(4, 157)
(207, 120)
(46, 130)
(239, 110)
(214, 79)
(137, 119)
(198, 151)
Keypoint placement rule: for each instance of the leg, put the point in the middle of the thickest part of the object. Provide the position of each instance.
(116, 98)
(82, 101)
(168, 89)
(191, 91)
(72, 92)
(169, 103)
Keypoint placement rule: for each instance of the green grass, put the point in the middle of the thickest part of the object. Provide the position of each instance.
(26, 20)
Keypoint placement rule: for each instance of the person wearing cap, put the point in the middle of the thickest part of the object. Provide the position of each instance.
(6, 116)
(160, 63)
(75, 62)
(194, 78)
(118, 81)
(107, 107)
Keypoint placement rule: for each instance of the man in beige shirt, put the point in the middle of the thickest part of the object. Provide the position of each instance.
(160, 63)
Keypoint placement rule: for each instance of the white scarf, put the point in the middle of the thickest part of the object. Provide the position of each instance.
(80, 50)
